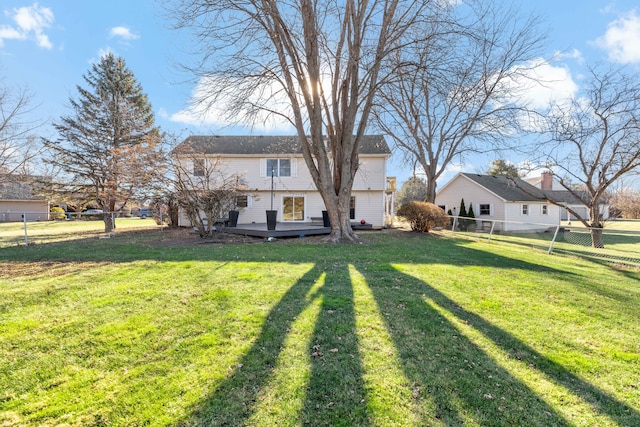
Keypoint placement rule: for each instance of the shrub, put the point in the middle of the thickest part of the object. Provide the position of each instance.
(57, 213)
(423, 216)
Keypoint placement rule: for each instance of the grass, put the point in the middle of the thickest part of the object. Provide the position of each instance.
(405, 329)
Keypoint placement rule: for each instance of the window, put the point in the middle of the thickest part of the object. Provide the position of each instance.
(352, 208)
(198, 167)
(443, 207)
(525, 209)
(293, 208)
(545, 210)
(485, 209)
(279, 167)
(242, 201)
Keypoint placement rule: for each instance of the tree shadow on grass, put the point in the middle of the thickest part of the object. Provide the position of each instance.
(445, 363)
(335, 394)
(451, 373)
(233, 400)
(335, 387)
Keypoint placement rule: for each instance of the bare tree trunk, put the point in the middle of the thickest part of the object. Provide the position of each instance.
(596, 225)
(431, 191)
(596, 238)
(109, 223)
(324, 57)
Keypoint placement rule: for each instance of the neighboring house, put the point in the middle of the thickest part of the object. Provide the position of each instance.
(547, 183)
(499, 198)
(17, 199)
(295, 196)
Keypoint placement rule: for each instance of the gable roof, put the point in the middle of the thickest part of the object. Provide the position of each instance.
(507, 188)
(264, 145)
(518, 190)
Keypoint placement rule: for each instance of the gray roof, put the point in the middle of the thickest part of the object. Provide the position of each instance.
(18, 187)
(518, 190)
(507, 188)
(264, 145)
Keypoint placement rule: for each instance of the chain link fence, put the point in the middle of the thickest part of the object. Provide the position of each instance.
(29, 228)
(618, 243)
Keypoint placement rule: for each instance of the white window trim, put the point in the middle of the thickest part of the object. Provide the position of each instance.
(304, 196)
(477, 209)
(522, 208)
(293, 162)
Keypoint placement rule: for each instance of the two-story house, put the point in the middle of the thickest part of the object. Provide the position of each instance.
(275, 173)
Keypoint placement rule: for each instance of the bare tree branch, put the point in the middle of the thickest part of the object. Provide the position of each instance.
(320, 60)
(595, 138)
(452, 95)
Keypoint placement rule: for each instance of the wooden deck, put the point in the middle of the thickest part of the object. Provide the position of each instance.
(285, 229)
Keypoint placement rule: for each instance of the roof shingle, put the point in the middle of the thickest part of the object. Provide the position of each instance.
(264, 145)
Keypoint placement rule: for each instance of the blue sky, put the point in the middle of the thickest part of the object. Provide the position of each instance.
(48, 45)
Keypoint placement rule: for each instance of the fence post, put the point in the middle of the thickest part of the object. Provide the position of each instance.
(493, 224)
(26, 235)
(553, 240)
(455, 222)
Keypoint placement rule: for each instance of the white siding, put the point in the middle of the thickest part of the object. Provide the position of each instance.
(370, 207)
(473, 195)
(369, 186)
(534, 220)
(371, 174)
(511, 212)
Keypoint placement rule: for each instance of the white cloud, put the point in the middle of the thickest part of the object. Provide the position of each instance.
(542, 84)
(572, 54)
(203, 112)
(622, 39)
(30, 23)
(123, 32)
(451, 170)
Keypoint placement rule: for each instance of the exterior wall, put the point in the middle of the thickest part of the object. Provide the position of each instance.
(371, 175)
(12, 210)
(368, 189)
(369, 206)
(582, 210)
(473, 195)
(476, 195)
(534, 220)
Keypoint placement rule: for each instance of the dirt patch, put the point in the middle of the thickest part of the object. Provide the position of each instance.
(175, 237)
(181, 237)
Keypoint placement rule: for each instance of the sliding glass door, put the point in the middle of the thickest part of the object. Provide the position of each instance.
(293, 208)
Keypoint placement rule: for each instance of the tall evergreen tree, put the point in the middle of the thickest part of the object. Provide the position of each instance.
(463, 210)
(108, 147)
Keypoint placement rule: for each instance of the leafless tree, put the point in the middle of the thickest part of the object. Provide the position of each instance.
(204, 190)
(595, 140)
(453, 95)
(626, 202)
(320, 60)
(17, 140)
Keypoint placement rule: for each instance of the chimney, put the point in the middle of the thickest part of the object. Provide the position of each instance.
(547, 181)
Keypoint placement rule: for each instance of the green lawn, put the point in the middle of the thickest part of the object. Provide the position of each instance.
(403, 329)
